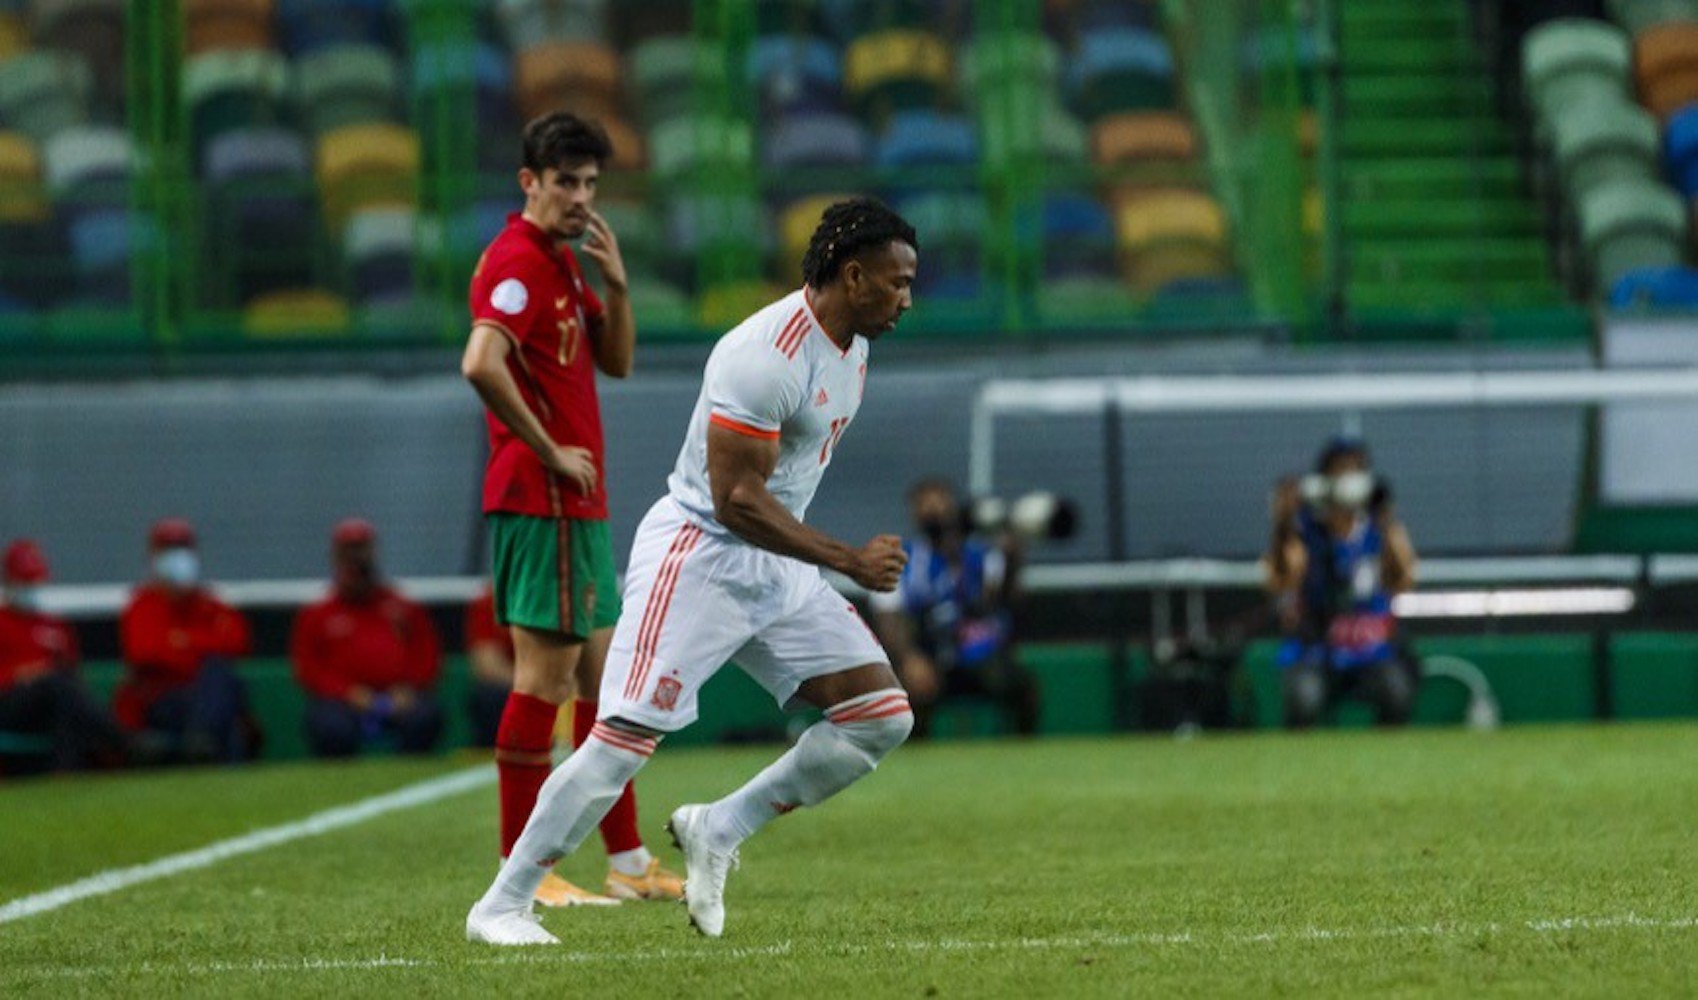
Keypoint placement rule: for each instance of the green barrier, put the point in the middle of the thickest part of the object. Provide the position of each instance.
(1654, 675)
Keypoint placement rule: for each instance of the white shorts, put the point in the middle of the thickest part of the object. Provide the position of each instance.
(695, 600)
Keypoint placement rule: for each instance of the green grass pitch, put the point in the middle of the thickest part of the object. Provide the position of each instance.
(1534, 862)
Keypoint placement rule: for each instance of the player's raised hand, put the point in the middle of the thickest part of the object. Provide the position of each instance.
(878, 566)
(576, 464)
(602, 246)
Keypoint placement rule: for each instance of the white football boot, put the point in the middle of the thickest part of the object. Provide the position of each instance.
(705, 869)
(506, 927)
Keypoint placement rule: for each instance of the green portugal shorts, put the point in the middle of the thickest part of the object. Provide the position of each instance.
(554, 574)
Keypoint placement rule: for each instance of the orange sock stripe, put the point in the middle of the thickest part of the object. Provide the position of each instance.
(624, 740)
(855, 712)
(900, 709)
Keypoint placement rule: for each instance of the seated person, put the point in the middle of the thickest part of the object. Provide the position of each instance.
(1337, 557)
(180, 645)
(367, 657)
(40, 692)
(947, 627)
(489, 647)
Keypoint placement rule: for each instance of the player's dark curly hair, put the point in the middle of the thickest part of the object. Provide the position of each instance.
(561, 139)
(848, 228)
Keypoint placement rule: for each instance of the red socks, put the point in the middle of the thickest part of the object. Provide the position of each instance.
(619, 826)
(522, 762)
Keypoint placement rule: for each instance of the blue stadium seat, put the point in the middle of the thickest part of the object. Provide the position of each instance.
(103, 242)
(473, 227)
(525, 23)
(309, 25)
(1125, 69)
(1656, 287)
(1077, 234)
(824, 140)
(927, 138)
(1103, 15)
(487, 70)
(1681, 142)
(796, 74)
(44, 93)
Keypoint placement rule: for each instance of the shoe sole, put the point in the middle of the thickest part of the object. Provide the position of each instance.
(570, 903)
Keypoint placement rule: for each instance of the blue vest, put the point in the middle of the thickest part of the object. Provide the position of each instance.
(1346, 619)
(947, 602)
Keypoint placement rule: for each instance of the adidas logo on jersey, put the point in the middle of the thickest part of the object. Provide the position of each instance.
(822, 398)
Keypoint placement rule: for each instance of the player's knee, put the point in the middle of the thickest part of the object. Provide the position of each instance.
(875, 723)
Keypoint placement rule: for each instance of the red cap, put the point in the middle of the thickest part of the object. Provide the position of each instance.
(24, 562)
(171, 533)
(353, 531)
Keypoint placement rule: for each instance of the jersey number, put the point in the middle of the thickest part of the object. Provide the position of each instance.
(568, 340)
(831, 442)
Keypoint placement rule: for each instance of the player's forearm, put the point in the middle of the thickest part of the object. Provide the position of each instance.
(752, 514)
(495, 386)
(616, 343)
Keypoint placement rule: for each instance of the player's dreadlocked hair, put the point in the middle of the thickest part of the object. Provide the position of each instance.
(562, 139)
(845, 230)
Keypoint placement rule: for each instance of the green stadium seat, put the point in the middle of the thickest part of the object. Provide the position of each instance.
(1025, 62)
(721, 307)
(639, 236)
(304, 312)
(343, 85)
(226, 25)
(670, 75)
(227, 91)
(1599, 140)
(1019, 125)
(686, 144)
(1638, 15)
(1086, 301)
(399, 319)
(1572, 58)
(530, 22)
(729, 233)
(92, 162)
(1630, 224)
(44, 93)
(660, 307)
(93, 30)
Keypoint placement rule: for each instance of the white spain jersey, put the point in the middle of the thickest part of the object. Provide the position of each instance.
(777, 375)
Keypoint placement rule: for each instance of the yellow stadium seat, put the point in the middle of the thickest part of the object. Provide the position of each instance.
(724, 306)
(908, 68)
(22, 196)
(1167, 236)
(797, 223)
(307, 311)
(367, 166)
(1135, 136)
(14, 36)
(224, 25)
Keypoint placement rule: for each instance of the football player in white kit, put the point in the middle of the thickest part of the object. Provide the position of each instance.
(724, 569)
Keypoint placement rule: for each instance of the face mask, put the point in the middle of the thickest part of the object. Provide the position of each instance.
(356, 574)
(178, 567)
(1352, 489)
(934, 529)
(24, 598)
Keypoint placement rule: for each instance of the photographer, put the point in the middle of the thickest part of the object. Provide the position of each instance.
(1337, 557)
(947, 626)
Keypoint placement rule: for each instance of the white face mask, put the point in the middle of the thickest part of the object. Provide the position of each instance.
(178, 567)
(25, 598)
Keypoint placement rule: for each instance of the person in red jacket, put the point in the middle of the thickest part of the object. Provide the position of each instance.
(40, 692)
(489, 647)
(180, 645)
(367, 657)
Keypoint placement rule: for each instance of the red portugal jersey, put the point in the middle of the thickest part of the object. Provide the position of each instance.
(535, 293)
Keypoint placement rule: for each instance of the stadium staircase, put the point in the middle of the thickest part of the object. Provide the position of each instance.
(1437, 219)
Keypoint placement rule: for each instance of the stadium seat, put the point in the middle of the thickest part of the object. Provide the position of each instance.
(378, 247)
(795, 74)
(1124, 69)
(722, 307)
(850, 19)
(366, 166)
(230, 90)
(44, 93)
(927, 138)
(955, 225)
(226, 25)
(484, 71)
(1105, 15)
(91, 162)
(639, 235)
(399, 318)
(1026, 61)
(1166, 236)
(700, 143)
(583, 77)
(472, 227)
(525, 23)
(298, 312)
(261, 221)
(1656, 288)
(94, 31)
(1144, 136)
(634, 23)
(352, 84)
(1681, 139)
(1600, 139)
(733, 229)
(1018, 125)
(1666, 65)
(657, 305)
(23, 199)
(1086, 300)
(1569, 59)
(1076, 233)
(671, 73)
(104, 243)
(1631, 224)
(896, 70)
(797, 222)
(1638, 15)
(306, 26)
(816, 140)
(14, 35)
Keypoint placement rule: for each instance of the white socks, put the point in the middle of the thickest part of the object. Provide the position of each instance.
(830, 756)
(634, 862)
(572, 801)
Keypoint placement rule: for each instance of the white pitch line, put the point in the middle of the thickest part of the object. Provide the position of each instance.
(114, 879)
(547, 957)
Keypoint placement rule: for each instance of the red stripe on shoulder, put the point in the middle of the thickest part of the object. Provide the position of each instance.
(739, 427)
(792, 334)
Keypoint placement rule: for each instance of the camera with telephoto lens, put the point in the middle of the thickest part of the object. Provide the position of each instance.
(1355, 490)
(1032, 517)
